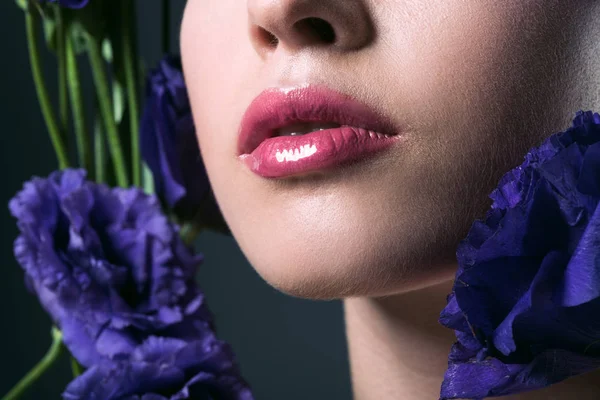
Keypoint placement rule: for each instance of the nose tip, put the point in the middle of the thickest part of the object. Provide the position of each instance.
(295, 24)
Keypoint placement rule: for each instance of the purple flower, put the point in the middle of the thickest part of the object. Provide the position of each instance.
(106, 265)
(165, 369)
(170, 148)
(528, 284)
(68, 3)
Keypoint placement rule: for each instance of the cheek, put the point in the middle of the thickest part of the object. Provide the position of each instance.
(222, 77)
(460, 56)
(217, 61)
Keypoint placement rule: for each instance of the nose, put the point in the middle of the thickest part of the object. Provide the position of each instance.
(295, 24)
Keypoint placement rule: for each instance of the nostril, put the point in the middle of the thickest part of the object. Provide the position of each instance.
(316, 27)
(310, 30)
(268, 37)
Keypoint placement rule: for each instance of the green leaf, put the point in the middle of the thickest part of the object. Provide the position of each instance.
(48, 13)
(118, 90)
(50, 33)
(22, 4)
(147, 179)
(77, 34)
(118, 101)
(107, 50)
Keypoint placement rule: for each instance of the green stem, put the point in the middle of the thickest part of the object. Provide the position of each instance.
(41, 367)
(106, 110)
(32, 21)
(129, 59)
(166, 26)
(99, 149)
(63, 100)
(84, 149)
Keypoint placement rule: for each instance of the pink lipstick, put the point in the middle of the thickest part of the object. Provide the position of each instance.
(286, 132)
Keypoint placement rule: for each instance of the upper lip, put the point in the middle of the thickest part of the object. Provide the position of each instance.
(275, 108)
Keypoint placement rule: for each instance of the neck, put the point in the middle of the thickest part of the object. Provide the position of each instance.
(398, 350)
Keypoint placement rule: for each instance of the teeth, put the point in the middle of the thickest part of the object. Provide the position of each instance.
(304, 128)
(296, 154)
(378, 135)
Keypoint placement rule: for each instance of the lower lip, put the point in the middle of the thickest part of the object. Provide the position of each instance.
(284, 156)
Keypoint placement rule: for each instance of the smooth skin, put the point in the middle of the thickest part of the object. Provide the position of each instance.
(472, 85)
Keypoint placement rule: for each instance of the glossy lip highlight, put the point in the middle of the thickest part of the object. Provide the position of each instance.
(276, 108)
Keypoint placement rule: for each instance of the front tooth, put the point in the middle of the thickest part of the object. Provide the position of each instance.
(304, 133)
(304, 128)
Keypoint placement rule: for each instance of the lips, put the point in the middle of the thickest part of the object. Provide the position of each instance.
(293, 132)
(277, 108)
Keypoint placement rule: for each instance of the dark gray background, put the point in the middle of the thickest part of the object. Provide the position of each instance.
(288, 348)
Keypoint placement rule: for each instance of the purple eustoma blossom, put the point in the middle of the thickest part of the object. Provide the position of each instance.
(107, 265)
(527, 292)
(168, 140)
(165, 369)
(170, 148)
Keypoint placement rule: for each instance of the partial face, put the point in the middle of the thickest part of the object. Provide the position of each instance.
(469, 87)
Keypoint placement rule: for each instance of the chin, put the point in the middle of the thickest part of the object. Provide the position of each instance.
(355, 273)
(338, 245)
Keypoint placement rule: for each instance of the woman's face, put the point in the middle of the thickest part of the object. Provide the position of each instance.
(469, 86)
